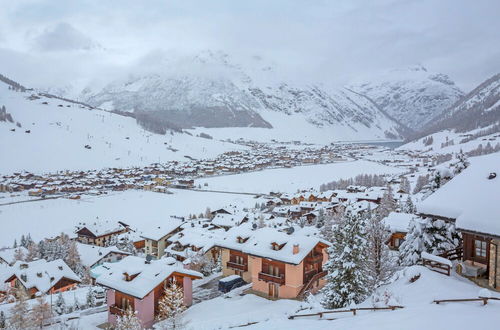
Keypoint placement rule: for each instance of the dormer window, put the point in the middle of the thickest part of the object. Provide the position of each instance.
(240, 239)
(275, 246)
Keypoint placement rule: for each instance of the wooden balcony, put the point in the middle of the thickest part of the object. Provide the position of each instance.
(113, 309)
(271, 278)
(315, 259)
(234, 265)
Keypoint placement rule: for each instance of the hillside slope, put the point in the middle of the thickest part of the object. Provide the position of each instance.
(472, 121)
(53, 136)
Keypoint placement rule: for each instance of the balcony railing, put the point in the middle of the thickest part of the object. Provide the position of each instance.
(113, 309)
(315, 259)
(234, 265)
(280, 279)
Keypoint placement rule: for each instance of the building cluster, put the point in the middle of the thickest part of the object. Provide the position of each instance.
(159, 177)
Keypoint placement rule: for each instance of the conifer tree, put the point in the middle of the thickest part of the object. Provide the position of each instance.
(171, 306)
(380, 263)
(346, 279)
(409, 206)
(413, 245)
(128, 321)
(3, 322)
(387, 204)
(40, 312)
(91, 300)
(15, 244)
(439, 236)
(19, 316)
(60, 307)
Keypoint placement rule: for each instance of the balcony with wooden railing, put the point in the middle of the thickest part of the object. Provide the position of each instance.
(314, 259)
(115, 310)
(280, 279)
(238, 266)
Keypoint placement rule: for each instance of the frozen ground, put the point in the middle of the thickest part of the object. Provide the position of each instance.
(291, 179)
(135, 207)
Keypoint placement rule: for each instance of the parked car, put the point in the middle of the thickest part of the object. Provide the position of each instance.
(231, 282)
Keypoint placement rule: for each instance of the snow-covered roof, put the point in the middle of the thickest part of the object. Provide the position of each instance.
(259, 243)
(228, 220)
(7, 255)
(398, 222)
(149, 275)
(91, 254)
(471, 197)
(41, 274)
(102, 227)
(163, 228)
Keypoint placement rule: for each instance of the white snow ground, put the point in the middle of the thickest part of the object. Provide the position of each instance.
(291, 179)
(135, 207)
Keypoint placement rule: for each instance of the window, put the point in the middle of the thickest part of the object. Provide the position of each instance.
(480, 248)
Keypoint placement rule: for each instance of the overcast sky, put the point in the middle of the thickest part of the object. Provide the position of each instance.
(46, 42)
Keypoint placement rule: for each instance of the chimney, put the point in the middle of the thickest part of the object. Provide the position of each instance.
(295, 248)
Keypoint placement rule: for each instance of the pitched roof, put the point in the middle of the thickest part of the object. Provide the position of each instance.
(91, 254)
(41, 274)
(148, 276)
(471, 197)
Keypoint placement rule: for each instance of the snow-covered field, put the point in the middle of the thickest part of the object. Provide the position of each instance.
(291, 179)
(58, 135)
(137, 208)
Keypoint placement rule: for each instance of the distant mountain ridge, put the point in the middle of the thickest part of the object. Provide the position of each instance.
(413, 96)
(209, 90)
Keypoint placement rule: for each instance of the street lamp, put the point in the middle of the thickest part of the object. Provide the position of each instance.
(50, 279)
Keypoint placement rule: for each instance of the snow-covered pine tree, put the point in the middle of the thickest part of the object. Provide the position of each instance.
(91, 299)
(461, 163)
(76, 304)
(260, 222)
(23, 241)
(413, 245)
(40, 312)
(409, 207)
(19, 316)
(387, 204)
(320, 219)
(128, 321)
(439, 236)
(15, 244)
(346, 280)
(3, 322)
(380, 264)
(60, 305)
(171, 306)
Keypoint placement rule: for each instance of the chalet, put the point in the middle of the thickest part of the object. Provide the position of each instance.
(278, 264)
(42, 276)
(195, 240)
(471, 201)
(227, 221)
(156, 237)
(92, 256)
(100, 233)
(398, 226)
(139, 284)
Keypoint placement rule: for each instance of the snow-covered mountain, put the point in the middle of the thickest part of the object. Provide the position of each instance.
(40, 133)
(472, 121)
(412, 96)
(210, 90)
